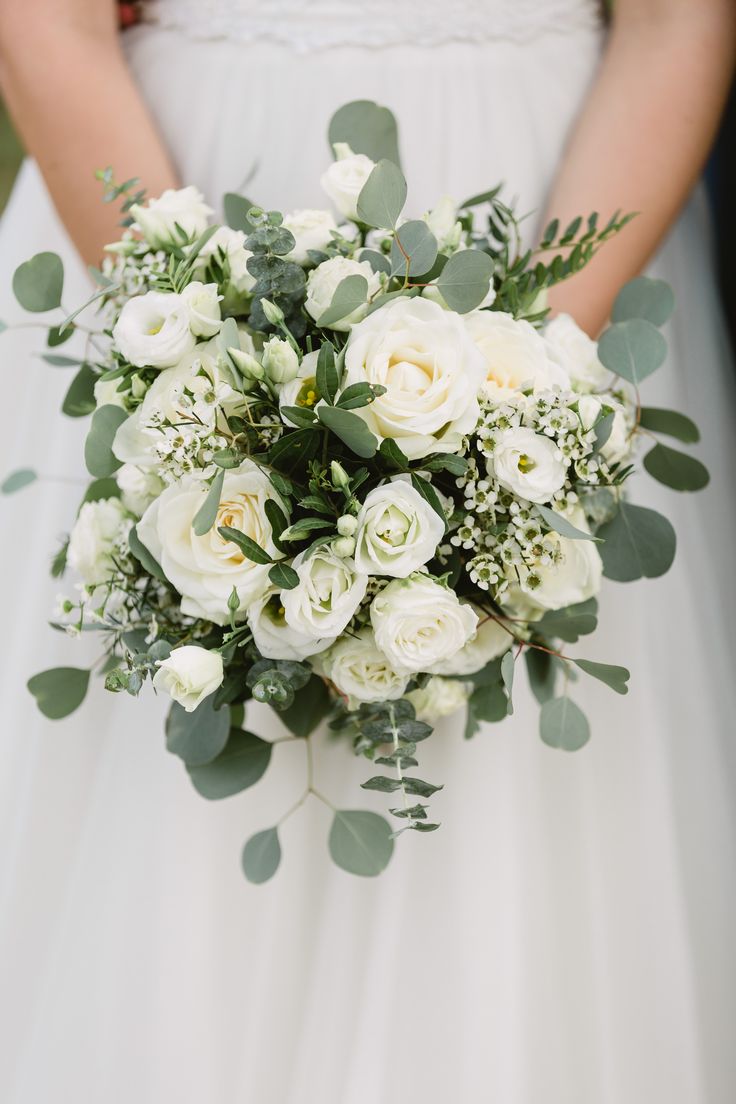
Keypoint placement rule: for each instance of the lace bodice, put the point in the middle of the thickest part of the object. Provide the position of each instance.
(321, 24)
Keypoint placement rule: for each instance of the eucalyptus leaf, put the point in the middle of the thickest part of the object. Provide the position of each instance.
(58, 361)
(414, 249)
(98, 454)
(542, 671)
(366, 128)
(646, 298)
(383, 196)
(311, 705)
(562, 526)
(562, 724)
(632, 349)
(350, 294)
(17, 480)
(80, 398)
(676, 469)
(507, 675)
(99, 489)
(570, 622)
(199, 736)
(465, 280)
(206, 515)
(236, 208)
(144, 557)
(360, 842)
(350, 428)
(261, 856)
(613, 676)
(59, 691)
(379, 262)
(241, 764)
(669, 422)
(56, 337)
(638, 543)
(38, 283)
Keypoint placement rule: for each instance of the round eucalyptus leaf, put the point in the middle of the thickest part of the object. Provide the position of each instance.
(413, 250)
(199, 736)
(383, 196)
(366, 128)
(241, 764)
(360, 842)
(465, 280)
(59, 691)
(613, 676)
(38, 283)
(80, 398)
(17, 480)
(669, 422)
(632, 349)
(261, 856)
(98, 454)
(562, 724)
(676, 469)
(646, 298)
(638, 543)
(350, 293)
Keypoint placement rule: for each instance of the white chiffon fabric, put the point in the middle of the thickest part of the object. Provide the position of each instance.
(566, 937)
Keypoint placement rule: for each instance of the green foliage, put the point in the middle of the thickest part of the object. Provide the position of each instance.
(366, 128)
(645, 298)
(465, 280)
(350, 294)
(428, 493)
(99, 489)
(197, 737)
(17, 480)
(639, 543)
(275, 681)
(562, 526)
(327, 376)
(98, 454)
(59, 691)
(413, 249)
(261, 856)
(615, 677)
(206, 515)
(383, 196)
(56, 336)
(562, 724)
(283, 576)
(237, 210)
(360, 842)
(240, 765)
(80, 398)
(139, 551)
(542, 671)
(309, 708)
(507, 677)
(569, 623)
(38, 283)
(350, 428)
(632, 349)
(246, 544)
(669, 422)
(676, 469)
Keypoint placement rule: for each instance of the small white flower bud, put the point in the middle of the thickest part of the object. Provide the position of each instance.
(346, 525)
(344, 547)
(340, 478)
(247, 364)
(280, 360)
(273, 314)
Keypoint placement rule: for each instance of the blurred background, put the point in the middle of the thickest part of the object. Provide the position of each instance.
(720, 179)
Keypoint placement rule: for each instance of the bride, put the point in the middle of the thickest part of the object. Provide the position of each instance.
(567, 937)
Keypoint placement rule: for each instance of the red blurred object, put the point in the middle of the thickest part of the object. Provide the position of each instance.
(129, 13)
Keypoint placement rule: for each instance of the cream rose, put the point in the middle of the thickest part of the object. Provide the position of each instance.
(528, 464)
(312, 230)
(153, 330)
(397, 531)
(489, 641)
(343, 181)
(441, 697)
(574, 578)
(274, 637)
(138, 488)
(158, 219)
(324, 280)
(576, 353)
(189, 675)
(203, 304)
(328, 594)
(206, 569)
(417, 622)
(361, 671)
(99, 536)
(514, 354)
(430, 368)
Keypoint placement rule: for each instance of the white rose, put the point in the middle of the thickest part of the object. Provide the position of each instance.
(159, 218)
(280, 360)
(203, 304)
(153, 330)
(189, 675)
(528, 464)
(576, 353)
(361, 671)
(274, 637)
(98, 538)
(312, 230)
(418, 622)
(302, 390)
(343, 181)
(489, 641)
(323, 281)
(574, 578)
(206, 569)
(107, 394)
(138, 488)
(228, 247)
(515, 355)
(430, 368)
(442, 221)
(327, 597)
(398, 531)
(441, 697)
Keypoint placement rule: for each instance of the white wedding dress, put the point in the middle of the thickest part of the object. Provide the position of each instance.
(567, 936)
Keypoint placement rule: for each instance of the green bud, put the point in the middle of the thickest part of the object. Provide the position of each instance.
(340, 478)
(344, 547)
(247, 364)
(273, 314)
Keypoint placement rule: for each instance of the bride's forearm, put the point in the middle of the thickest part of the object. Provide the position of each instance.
(75, 105)
(643, 136)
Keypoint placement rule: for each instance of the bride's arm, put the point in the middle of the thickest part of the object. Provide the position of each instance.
(643, 136)
(77, 109)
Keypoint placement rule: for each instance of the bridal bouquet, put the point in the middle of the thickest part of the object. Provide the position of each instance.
(344, 465)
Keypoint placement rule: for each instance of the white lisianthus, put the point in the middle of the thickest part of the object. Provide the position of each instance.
(203, 303)
(99, 535)
(397, 531)
(138, 488)
(274, 637)
(515, 355)
(343, 181)
(619, 441)
(528, 464)
(158, 219)
(107, 394)
(576, 353)
(443, 222)
(324, 280)
(312, 230)
(280, 360)
(302, 390)
(575, 577)
(189, 675)
(489, 641)
(153, 330)
(328, 594)
(441, 697)
(361, 671)
(417, 622)
(206, 569)
(430, 368)
(228, 246)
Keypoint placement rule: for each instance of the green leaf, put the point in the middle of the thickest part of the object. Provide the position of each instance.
(383, 196)
(294, 449)
(381, 784)
(261, 856)
(613, 676)
(144, 557)
(246, 544)
(3, 326)
(206, 515)
(562, 526)
(542, 671)
(379, 262)
(603, 430)
(199, 736)
(99, 489)
(465, 280)
(350, 294)
(283, 576)
(428, 493)
(646, 298)
(99, 294)
(304, 526)
(58, 361)
(350, 428)
(481, 197)
(507, 674)
(360, 842)
(310, 706)
(562, 724)
(489, 703)
(391, 452)
(366, 128)
(98, 454)
(302, 416)
(676, 469)
(446, 461)
(669, 422)
(240, 765)
(327, 378)
(56, 337)
(571, 622)
(59, 691)
(276, 519)
(80, 398)
(38, 283)
(236, 208)
(17, 480)
(633, 349)
(413, 249)
(359, 394)
(639, 543)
